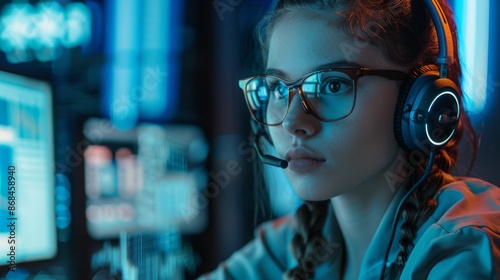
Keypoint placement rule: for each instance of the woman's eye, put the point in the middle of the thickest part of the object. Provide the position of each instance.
(278, 90)
(336, 87)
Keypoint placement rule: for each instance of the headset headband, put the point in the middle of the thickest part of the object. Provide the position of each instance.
(445, 40)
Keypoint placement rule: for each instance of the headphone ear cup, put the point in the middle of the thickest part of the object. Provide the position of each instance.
(404, 90)
(428, 110)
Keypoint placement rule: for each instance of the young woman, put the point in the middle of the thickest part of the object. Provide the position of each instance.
(333, 101)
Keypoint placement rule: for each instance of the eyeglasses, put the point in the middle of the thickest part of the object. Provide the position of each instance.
(329, 95)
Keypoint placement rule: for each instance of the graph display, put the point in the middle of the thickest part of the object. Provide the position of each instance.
(144, 179)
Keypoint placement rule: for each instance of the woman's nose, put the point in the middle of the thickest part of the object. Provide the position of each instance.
(298, 121)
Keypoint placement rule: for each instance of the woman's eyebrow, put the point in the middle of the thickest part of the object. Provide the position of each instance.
(276, 72)
(335, 64)
(338, 64)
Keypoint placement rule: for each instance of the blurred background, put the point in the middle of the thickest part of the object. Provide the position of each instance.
(129, 135)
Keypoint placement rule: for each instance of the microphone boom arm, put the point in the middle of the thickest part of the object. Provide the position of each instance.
(266, 159)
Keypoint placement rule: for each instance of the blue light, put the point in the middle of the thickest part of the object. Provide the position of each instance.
(154, 81)
(141, 79)
(49, 22)
(40, 31)
(123, 50)
(63, 219)
(473, 30)
(15, 27)
(18, 274)
(62, 201)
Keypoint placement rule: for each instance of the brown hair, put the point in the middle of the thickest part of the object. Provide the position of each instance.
(404, 32)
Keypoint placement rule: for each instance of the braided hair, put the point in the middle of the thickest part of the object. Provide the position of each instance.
(309, 221)
(403, 31)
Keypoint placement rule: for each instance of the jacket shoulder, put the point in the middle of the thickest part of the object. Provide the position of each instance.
(468, 202)
(264, 257)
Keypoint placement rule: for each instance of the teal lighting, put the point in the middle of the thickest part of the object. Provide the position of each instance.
(141, 77)
(473, 33)
(124, 49)
(39, 31)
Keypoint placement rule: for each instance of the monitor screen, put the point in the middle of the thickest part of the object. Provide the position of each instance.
(27, 216)
(149, 178)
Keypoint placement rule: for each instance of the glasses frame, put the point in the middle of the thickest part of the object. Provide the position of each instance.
(353, 73)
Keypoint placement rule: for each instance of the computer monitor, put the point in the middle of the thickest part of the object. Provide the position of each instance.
(149, 178)
(27, 214)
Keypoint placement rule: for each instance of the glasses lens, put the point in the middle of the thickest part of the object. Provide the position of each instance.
(330, 94)
(267, 99)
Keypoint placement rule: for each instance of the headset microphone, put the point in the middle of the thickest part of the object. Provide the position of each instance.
(266, 159)
(270, 160)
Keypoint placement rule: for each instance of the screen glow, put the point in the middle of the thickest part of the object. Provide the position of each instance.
(39, 31)
(473, 33)
(26, 142)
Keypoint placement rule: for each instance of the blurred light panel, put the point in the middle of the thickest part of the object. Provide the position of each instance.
(15, 27)
(154, 82)
(473, 33)
(28, 32)
(78, 21)
(123, 49)
(63, 201)
(141, 78)
(49, 22)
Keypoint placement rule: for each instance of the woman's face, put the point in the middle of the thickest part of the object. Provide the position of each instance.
(327, 159)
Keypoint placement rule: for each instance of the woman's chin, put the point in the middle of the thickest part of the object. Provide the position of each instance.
(313, 193)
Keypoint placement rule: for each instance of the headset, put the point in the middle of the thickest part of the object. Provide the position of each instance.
(428, 108)
(427, 111)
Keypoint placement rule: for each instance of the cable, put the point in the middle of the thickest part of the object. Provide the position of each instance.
(426, 174)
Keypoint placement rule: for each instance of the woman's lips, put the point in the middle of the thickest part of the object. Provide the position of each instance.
(304, 164)
(302, 159)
